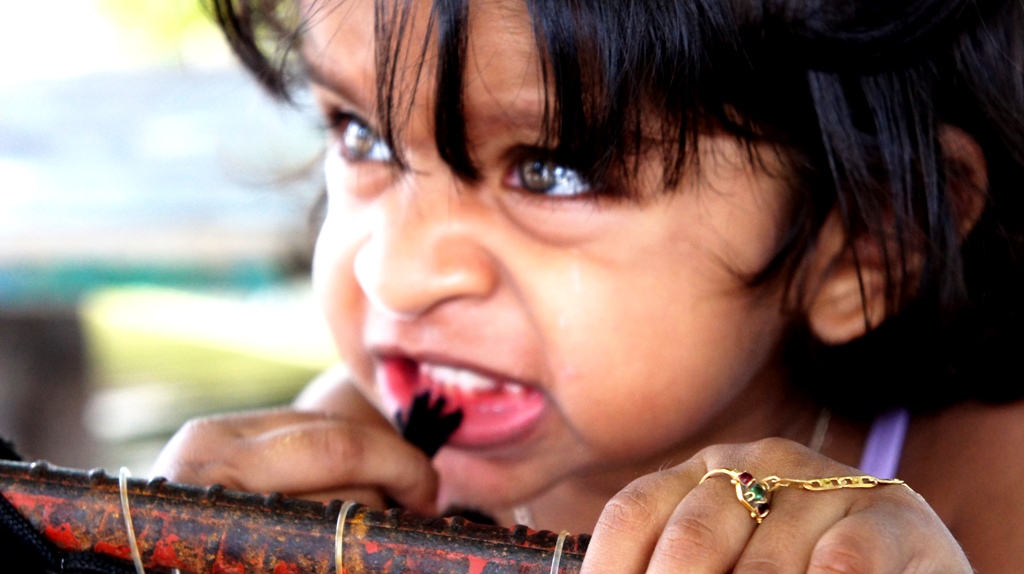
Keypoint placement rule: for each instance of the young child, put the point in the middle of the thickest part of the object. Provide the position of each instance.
(641, 244)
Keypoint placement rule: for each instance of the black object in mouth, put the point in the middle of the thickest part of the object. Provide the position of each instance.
(426, 425)
(428, 428)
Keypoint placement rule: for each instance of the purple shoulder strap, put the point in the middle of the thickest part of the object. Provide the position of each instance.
(884, 446)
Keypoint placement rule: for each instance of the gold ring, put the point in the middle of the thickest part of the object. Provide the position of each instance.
(753, 494)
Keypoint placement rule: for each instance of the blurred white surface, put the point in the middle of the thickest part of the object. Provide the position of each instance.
(164, 164)
(124, 162)
(61, 39)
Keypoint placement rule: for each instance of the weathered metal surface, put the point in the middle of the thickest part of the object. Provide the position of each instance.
(227, 532)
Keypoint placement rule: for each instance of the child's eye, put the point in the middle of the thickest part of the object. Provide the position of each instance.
(545, 176)
(359, 142)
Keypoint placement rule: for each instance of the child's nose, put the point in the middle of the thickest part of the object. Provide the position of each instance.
(424, 251)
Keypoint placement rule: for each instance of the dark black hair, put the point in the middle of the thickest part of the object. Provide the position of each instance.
(853, 93)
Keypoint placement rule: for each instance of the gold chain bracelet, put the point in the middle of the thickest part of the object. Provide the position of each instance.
(828, 483)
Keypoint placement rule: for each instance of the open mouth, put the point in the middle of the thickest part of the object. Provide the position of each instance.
(495, 410)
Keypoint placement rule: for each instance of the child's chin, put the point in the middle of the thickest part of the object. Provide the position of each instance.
(460, 495)
(489, 494)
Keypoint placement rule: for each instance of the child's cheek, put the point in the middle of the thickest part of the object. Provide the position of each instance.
(338, 293)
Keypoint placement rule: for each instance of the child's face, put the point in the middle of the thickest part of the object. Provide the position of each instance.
(580, 337)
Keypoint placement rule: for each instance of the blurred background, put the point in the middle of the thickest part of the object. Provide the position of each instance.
(154, 231)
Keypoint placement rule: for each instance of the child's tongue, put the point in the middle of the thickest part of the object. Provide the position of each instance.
(494, 410)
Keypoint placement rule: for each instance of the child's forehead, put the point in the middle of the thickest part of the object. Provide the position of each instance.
(502, 82)
(484, 23)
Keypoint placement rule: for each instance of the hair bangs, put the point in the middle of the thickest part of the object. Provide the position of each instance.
(607, 103)
(624, 82)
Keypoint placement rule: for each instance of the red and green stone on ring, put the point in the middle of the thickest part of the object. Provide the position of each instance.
(753, 494)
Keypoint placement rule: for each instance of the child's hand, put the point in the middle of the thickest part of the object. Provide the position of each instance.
(346, 450)
(669, 522)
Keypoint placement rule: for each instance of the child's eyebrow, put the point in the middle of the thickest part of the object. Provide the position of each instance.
(332, 83)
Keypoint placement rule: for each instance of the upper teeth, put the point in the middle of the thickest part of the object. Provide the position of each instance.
(462, 379)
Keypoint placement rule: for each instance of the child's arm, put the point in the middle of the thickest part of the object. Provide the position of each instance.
(333, 392)
(332, 444)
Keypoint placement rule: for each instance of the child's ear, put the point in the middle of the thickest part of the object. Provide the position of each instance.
(966, 176)
(841, 303)
(845, 290)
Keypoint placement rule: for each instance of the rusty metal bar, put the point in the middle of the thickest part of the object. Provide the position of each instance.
(220, 531)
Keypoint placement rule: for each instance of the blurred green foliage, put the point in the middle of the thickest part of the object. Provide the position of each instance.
(164, 25)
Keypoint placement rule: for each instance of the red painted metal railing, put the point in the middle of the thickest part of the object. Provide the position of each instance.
(227, 532)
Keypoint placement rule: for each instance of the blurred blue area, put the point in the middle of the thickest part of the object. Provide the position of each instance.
(165, 175)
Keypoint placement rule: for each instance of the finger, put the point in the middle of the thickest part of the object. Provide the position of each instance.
(249, 424)
(365, 496)
(706, 532)
(213, 440)
(630, 524)
(210, 441)
(873, 538)
(340, 453)
(797, 520)
(859, 543)
(316, 455)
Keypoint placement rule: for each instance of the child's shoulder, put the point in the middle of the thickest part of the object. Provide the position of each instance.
(971, 443)
(968, 462)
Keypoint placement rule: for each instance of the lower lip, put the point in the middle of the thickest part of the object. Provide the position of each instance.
(489, 418)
